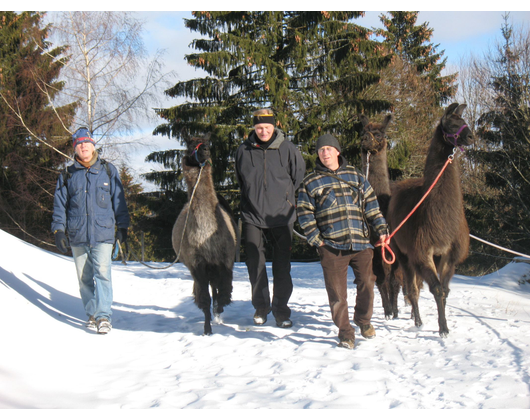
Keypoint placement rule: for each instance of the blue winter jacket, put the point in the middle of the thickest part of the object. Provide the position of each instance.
(90, 205)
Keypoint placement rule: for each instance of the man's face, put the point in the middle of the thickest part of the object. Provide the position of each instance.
(264, 131)
(329, 156)
(85, 151)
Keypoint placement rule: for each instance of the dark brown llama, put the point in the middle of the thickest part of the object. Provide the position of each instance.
(204, 235)
(375, 167)
(435, 238)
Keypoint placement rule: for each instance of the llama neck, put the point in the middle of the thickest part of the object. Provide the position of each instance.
(204, 189)
(377, 171)
(437, 156)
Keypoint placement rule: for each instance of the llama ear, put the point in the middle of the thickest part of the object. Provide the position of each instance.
(386, 121)
(450, 109)
(364, 120)
(460, 109)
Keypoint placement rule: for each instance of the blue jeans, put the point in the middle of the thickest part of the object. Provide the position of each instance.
(93, 266)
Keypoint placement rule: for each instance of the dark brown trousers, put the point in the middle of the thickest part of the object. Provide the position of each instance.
(335, 265)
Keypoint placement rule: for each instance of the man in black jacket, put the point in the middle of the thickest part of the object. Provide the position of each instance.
(269, 170)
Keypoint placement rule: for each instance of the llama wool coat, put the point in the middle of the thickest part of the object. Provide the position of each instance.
(90, 204)
(269, 177)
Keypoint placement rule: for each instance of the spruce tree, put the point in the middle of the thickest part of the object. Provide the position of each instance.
(29, 127)
(412, 43)
(502, 212)
(309, 67)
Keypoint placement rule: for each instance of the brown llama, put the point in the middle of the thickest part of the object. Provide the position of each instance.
(435, 238)
(374, 160)
(204, 235)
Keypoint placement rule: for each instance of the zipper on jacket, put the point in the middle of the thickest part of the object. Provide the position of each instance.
(264, 169)
(86, 207)
(350, 216)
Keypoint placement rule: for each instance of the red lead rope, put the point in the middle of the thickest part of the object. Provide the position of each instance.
(386, 243)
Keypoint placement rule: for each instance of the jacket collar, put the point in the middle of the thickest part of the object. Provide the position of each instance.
(95, 163)
(88, 165)
(280, 138)
(320, 166)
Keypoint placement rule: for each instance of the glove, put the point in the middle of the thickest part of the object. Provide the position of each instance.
(121, 235)
(61, 241)
(383, 239)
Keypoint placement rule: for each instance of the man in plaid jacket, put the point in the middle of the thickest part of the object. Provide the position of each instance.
(336, 208)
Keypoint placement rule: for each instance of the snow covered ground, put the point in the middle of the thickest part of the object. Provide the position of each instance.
(157, 357)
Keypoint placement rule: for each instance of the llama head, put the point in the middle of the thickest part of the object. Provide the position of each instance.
(197, 151)
(373, 136)
(454, 128)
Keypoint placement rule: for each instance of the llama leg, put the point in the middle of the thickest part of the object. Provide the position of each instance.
(224, 297)
(412, 292)
(446, 271)
(207, 321)
(382, 283)
(435, 287)
(217, 311)
(413, 295)
(221, 290)
(203, 299)
(404, 273)
(384, 291)
(395, 280)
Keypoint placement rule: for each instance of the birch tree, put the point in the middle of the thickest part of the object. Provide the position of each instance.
(108, 72)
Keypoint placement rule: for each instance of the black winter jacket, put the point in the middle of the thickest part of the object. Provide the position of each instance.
(268, 179)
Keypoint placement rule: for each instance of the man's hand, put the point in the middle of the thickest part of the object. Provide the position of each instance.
(383, 239)
(122, 235)
(61, 241)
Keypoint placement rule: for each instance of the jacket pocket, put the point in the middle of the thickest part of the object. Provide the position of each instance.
(326, 200)
(76, 230)
(104, 229)
(103, 196)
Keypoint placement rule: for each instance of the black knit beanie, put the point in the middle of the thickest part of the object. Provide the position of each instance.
(328, 140)
(264, 119)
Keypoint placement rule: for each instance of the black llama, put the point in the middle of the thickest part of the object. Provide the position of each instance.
(374, 159)
(435, 238)
(204, 235)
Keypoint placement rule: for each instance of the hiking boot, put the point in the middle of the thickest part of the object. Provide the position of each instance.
(347, 343)
(284, 322)
(103, 326)
(367, 330)
(91, 323)
(260, 317)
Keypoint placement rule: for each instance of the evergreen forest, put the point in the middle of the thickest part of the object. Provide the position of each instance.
(319, 72)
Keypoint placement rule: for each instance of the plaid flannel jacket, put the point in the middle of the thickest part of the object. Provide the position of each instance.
(329, 209)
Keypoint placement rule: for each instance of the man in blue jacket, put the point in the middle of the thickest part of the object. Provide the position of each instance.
(89, 204)
(269, 170)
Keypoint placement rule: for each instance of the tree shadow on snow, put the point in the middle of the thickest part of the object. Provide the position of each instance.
(59, 305)
(310, 325)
